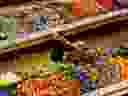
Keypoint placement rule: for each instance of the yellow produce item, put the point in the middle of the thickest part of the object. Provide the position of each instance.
(32, 58)
(92, 75)
(98, 51)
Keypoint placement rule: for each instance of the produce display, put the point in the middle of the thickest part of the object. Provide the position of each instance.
(7, 31)
(85, 71)
(63, 48)
(120, 58)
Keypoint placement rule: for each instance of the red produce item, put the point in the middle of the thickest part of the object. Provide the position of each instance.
(40, 87)
(76, 8)
(105, 3)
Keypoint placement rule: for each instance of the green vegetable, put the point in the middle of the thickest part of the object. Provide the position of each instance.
(67, 73)
(7, 31)
(120, 51)
(67, 9)
(56, 54)
(67, 78)
(4, 82)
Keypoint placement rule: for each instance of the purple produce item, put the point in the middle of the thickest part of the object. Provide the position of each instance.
(122, 3)
(99, 60)
(23, 34)
(120, 12)
(119, 4)
(108, 50)
(82, 76)
(4, 93)
(23, 50)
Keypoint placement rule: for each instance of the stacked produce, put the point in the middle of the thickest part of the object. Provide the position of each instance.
(53, 79)
(120, 58)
